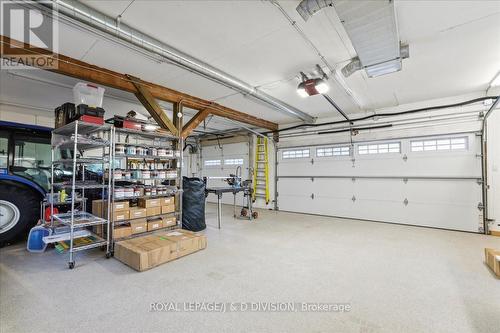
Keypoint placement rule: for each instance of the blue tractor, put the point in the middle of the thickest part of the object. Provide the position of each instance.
(25, 159)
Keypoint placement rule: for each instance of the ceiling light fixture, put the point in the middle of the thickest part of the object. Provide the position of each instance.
(314, 86)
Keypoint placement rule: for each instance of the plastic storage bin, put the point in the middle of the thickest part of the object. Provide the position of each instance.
(35, 238)
(88, 94)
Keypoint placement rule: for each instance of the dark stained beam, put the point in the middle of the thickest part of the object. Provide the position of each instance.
(15, 50)
(150, 104)
(194, 122)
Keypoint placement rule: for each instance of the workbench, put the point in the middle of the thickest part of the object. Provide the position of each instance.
(219, 191)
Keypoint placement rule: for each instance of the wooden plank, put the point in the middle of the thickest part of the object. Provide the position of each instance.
(194, 122)
(149, 102)
(87, 72)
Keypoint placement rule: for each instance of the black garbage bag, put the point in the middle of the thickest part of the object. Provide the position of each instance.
(193, 204)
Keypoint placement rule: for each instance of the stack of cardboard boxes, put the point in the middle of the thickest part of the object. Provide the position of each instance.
(492, 259)
(149, 251)
(148, 215)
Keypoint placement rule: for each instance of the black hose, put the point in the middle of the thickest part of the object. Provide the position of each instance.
(186, 145)
(475, 100)
(355, 129)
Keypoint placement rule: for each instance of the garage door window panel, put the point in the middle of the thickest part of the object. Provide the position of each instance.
(333, 151)
(444, 144)
(379, 148)
(296, 153)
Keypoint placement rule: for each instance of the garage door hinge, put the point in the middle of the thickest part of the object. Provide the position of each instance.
(480, 181)
(479, 155)
(480, 206)
(405, 158)
(312, 160)
(406, 201)
(353, 198)
(405, 180)
(312, 179)
(312, 196)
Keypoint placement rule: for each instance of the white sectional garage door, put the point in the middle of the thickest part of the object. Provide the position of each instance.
(425, 181)
(221, 161)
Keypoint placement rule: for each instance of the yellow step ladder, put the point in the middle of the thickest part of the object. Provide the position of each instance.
(261, 171)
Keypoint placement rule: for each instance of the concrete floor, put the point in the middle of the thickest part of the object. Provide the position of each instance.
(395, 278)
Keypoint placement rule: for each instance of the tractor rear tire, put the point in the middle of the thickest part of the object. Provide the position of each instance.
(19, 211)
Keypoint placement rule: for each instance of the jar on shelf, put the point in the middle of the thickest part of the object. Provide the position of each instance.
(140, 151)
(136, 174)
(154, 191)
(162, 152)
(147, 191)
(131, 150)
(120, 149)
(127, 175)
(169, 153)
(171, 174)
(152, 151)
(161, 190)
(146, 174)
(138, 191)
(118, 174)
(154, 174)
(128, 192)
(162, 174)
(119, 193)
(177, 153)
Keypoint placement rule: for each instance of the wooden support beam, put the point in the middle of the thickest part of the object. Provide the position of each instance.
(15, 50)
(194, 122)
(149, 102)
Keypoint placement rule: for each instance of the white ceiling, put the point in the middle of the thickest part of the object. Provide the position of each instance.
(454, 50)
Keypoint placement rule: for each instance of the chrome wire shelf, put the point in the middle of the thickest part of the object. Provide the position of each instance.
(80, 219)
(83, 128)
(143, 134)
(82, 160)
(146, 157)
(147, 197)
(81, 186)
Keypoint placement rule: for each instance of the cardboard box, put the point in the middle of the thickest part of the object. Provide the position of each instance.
(167, 201)
(149, 251)
(97, 207)
(169, 221)
(152, 211)
(138, 226)
(495, 233)
(122, 231)
(120, 216)
(149, 203)
(137, 212)
(492, 259)
(167, 209)
(154, 224)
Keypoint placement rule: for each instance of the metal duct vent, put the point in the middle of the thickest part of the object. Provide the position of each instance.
(372, 28)
(88, 17)
(308, 8)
